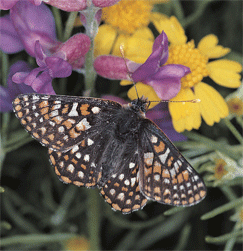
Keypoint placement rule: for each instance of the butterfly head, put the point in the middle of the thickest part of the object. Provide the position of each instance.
(140, 104)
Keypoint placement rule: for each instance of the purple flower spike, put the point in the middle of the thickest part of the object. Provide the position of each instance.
(40, 79)
(34, 23)
(9, 93)
(165, 79)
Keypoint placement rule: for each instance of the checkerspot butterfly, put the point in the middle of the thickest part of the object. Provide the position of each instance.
(96, 142)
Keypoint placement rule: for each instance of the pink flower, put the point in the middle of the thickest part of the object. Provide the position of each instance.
(78, 5)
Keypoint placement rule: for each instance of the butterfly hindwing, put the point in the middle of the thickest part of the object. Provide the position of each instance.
(122, 190)
(165, 175)
(60, 122)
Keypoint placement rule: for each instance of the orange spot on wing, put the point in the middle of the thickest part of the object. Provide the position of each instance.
(83, 109)
(160, 147)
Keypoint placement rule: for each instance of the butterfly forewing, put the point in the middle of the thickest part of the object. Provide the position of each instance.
(59, 122)
(165, 175)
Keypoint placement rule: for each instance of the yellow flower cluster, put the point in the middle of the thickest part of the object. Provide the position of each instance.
(126, 23)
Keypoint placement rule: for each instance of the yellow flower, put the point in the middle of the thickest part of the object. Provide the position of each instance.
(235, 102)
(126, 24)
(77, 243)
(223, 169)
(235, 106)
(219, 170)
(224, 72)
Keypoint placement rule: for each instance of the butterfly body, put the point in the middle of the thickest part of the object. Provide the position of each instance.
(95, 142)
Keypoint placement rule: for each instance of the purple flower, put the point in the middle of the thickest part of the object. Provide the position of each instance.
(165, 79)
(34, 23)
(40, 79)
(9, 93)
(33, 28)
(29, 23)
(8, 4)
(159, 115)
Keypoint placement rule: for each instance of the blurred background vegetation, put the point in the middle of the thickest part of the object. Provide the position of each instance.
(41, 213)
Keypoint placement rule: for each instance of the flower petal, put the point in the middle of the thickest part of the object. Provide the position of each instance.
(10, 41)
(158, 57)
(185, 115)
(104, 3)
(137, 47)
(225, 72)
(171, 26)
(143, 90)
(7, 4)
(104, 40)
(58, 68)
(208, 45)
(75, 48)
(111, 67)
(34, 23)
(212, 106)
(70, 5)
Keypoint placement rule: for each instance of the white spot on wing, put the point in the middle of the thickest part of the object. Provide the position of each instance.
(133, 180)
(83, 125)
(154, 139)
(78, 155)
(73, 111)
(90, 142)
(80, 174)
(148, 158)
(95, 110)
(70, 168)
(131, 165)
(164, 156)
(86, 157)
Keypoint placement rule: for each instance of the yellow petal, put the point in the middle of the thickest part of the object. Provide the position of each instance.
(225, 72)
(185, 115)
(144, 90)
(121, 40)
(135, 48)
(212, 106)
(209, 46)
(144, 33)
(171, 26)
(104, 40)
(138, 49)
(125, 82)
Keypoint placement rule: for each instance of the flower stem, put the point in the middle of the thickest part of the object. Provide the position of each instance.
(91, 31)
(93, 219)
(233, 130)
(69, 25)
(222, 209)
(58, 20)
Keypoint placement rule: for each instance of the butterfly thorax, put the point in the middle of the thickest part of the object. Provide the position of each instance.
(130, 119)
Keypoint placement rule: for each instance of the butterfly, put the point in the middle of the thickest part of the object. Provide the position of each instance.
(94, 142)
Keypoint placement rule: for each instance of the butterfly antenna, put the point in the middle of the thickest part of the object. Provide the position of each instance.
(196, 100)
(129, 74)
